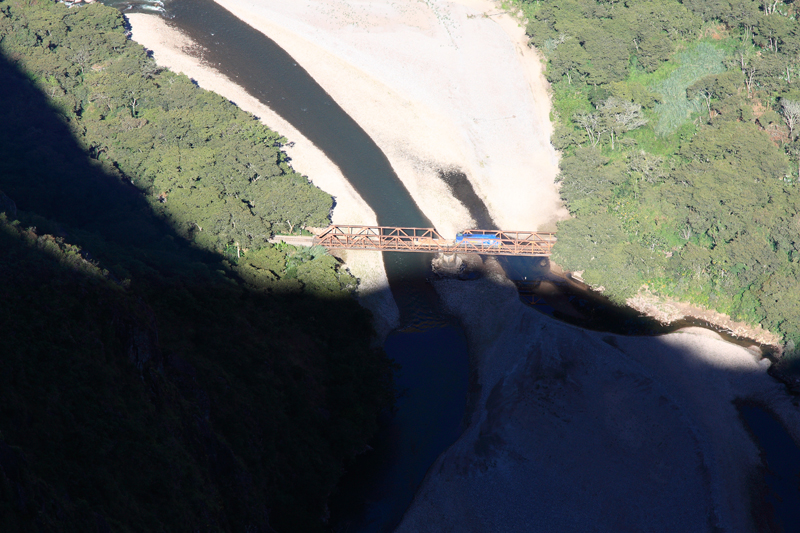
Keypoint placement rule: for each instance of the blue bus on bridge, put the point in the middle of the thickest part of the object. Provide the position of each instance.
(482, 240)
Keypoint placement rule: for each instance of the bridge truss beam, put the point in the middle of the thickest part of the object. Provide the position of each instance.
(390, 239)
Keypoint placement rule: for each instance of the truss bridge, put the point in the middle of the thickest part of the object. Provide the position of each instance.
(389, 239)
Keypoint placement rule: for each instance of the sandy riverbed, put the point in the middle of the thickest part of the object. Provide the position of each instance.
(575, 430)
(437, 85)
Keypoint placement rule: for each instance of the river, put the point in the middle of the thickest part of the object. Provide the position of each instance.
(430, 346)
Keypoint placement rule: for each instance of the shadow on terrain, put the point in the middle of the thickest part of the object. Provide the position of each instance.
(464, 192)
(177, 400)
(143, 386)
(554, 410)
(776, 490)
(270, 74)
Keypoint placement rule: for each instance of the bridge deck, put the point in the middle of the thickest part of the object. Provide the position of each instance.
(487, 242)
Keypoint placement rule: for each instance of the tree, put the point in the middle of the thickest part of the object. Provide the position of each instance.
(83, 59)
(621, 116)
(743, 14)
(598, 245)
(750, 74)
(594, 125)
(733, 173)
(566, 136)
(652, 17)
(609, 57)
(634, 92)
(648, 166)
(653, 51)
(790, 109)
(770, 6)
(715, 87)
(771, 31)
(740, 145)
(568, 59)
(708, 9)
(793, 150)
(588, 180)
(771, 76)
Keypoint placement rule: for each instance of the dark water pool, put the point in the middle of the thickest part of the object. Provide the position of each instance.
(776, 495)
(431, 404)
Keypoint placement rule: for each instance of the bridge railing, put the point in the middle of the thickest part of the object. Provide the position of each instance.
(386, 238)
(510, 242)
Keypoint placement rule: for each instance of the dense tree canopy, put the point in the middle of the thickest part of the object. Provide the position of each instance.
(214, 170)
(678, 125)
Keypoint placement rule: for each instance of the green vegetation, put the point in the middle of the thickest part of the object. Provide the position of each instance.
(674, 106)
(678, 126)
(164, 368)
(213, 170)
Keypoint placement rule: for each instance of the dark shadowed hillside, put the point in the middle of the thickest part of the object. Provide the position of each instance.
(163, 367)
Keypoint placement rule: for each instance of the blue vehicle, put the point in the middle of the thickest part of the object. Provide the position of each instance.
(483, 240)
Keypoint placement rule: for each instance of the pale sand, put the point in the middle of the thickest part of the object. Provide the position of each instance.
(574, 430)
(437, 86)
(171, 49)
(669, 310)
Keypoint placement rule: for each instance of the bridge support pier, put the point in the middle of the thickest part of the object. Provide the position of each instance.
(447, 265)
(450, 259)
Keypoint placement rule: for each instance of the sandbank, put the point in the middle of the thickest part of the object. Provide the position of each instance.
(574, 430)
(438, 85)
(173, 50)
(669, 310)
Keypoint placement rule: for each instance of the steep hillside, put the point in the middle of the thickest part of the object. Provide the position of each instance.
(164, 367)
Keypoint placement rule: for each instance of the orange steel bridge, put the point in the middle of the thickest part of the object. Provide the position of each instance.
(487, 242)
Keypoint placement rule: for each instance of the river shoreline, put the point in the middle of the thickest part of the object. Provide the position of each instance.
(173, 50)
(669, 310)
(566, 424)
